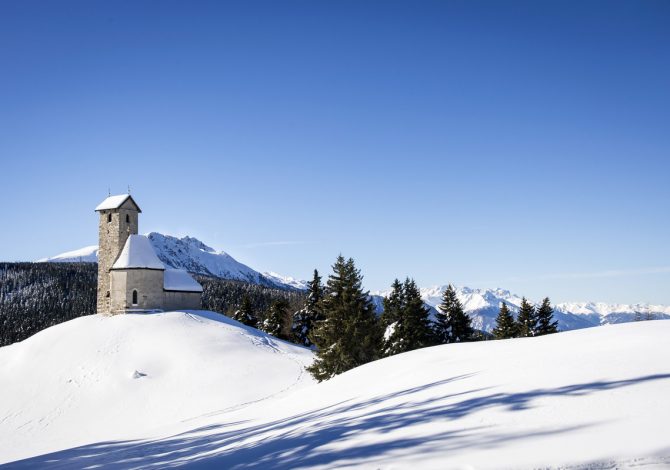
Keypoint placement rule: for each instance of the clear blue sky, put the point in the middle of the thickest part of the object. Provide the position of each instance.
(523, 145)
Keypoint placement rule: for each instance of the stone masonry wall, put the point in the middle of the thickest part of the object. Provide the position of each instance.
(112, 238)
(147, 282)
(182, 300)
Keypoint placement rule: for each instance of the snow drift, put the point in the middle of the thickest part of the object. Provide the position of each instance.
(230, 398)
(99, 378)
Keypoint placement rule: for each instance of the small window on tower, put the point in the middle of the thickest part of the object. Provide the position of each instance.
(127, 219)
(107, 294)
(134, 297)
(109, 217)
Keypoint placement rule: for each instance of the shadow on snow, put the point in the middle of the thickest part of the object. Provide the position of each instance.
(320, 437)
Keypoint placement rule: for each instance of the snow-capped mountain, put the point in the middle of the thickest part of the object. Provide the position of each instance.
(88, 254)
(601, 313)
(483, 304)
(286, 280)
(195, 257)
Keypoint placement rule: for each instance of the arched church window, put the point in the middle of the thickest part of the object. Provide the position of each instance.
(109, 217)
(127, 218)
(134, 297)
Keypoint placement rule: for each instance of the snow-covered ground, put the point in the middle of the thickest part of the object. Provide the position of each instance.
(218, 395)
(98, 378)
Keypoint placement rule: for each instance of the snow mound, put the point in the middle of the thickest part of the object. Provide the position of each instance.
(592, 398)
(98, 378)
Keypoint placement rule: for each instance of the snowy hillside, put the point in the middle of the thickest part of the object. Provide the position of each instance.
(97, 378)
(229, 398)
(483, 304)
(194, 256)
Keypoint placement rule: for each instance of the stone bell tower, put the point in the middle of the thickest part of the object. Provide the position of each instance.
(118, 220)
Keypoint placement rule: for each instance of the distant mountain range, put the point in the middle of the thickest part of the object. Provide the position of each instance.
(194, 256)
(481, 304)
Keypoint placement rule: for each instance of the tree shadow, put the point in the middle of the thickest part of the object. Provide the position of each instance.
(319, 437)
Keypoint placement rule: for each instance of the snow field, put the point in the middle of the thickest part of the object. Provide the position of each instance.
(592, 398)
(74, 383)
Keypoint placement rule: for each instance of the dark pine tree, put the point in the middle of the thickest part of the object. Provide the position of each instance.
(245, 314)
(305, 319)
(506, 327)
(275, 321)
(526, 320)
(545, 319)
(414, 328)
(393, 304)
(349, 335)
(392, 319)
(453, 325)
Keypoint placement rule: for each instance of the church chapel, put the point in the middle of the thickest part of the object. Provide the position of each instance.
(131, 277)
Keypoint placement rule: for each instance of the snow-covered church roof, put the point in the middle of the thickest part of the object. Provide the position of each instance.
(138, 253)
(114, 202)
(180, 280)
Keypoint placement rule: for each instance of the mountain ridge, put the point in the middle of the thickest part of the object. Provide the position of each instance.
(482, 305)
(194, 256)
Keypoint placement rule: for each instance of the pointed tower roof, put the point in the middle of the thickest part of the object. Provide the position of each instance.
(114, 202)
(138, 253)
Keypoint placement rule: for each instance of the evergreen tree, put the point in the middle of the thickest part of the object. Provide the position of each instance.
(526, 319)
(393, 304)
(416, 326)
(391, 318)
(411, 328)
(35, 296)
(305, 318)
(506, 327)
(453, 325)
(545, 319)
(245, 314)
(349, 335)
(275, 320)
